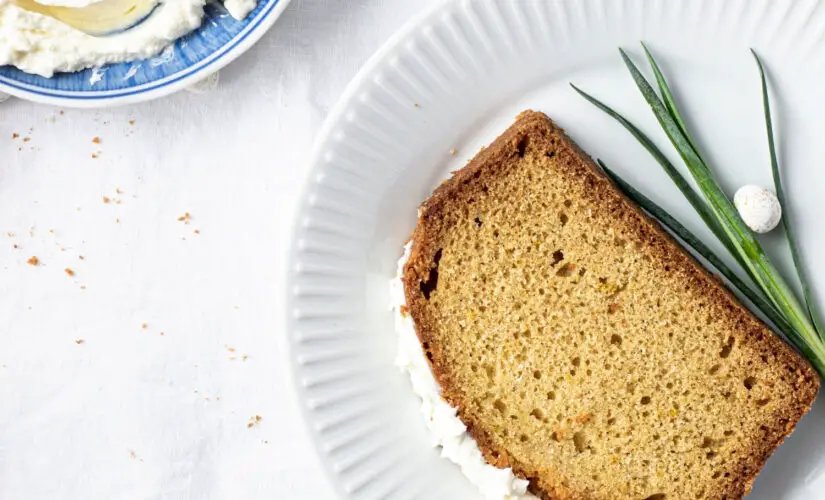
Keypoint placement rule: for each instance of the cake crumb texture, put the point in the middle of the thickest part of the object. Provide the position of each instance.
(582, 346)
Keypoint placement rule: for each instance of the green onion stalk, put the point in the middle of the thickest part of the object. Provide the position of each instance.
(767, 291)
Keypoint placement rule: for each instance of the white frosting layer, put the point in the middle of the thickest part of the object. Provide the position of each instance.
(41, 45)
(446, 428)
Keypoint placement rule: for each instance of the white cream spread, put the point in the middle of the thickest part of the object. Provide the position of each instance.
(239, 9)
(446, 428)
(41, 45)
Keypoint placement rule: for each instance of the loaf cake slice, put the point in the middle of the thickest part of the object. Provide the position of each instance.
(580, 344)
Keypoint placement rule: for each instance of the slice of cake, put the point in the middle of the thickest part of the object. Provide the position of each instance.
(578, 345)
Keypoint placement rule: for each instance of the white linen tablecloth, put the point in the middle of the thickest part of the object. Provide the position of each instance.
(143, 356)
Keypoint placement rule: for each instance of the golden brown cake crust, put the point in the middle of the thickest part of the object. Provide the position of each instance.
(536, 132)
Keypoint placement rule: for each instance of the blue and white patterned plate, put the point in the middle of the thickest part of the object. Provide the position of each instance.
(219, 40)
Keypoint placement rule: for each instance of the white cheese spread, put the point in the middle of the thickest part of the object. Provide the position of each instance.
(446, 428)
(41, 45)
(239, 9)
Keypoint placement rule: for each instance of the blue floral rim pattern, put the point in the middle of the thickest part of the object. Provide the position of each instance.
(219, 34)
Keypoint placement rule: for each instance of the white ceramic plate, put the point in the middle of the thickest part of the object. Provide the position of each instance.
(454, 79)
(219, 41)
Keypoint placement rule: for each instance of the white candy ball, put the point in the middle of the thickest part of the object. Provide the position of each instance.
(758, 207)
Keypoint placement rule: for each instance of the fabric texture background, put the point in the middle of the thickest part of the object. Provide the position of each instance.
(139, 352)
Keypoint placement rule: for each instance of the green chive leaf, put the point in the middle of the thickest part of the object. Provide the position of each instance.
(687, 190)
(780, 194)
(764, 272)
(736, 236)
(667, 97)
(696, 244)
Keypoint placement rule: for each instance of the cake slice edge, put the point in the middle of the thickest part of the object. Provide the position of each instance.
(424, 254)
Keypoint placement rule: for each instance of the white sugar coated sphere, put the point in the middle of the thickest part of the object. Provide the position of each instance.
(758, 207)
